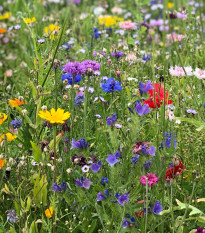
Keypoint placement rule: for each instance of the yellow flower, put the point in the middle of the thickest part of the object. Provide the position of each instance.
(49, 212)
(2, 162)
(5, 16)
(3, 117)
(29, 20)
(110, 20)
(9, 137)
(55, 117)
(52, 30)
(170, 5)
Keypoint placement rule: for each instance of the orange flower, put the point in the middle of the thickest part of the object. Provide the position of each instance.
(2, 161)
(9, 137)
(49, 212)
(2, 30)
(16, 102)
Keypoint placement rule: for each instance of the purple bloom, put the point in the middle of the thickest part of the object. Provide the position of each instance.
(147, 164)
(96, 167)
(83, 183)
(169, 138)
(74, 68)
(111, 85)
(123, 198)
(112, 160)
(100, 197)
(11, 216)
(41, 41)
(56, 188)
(63, 186)
(157, 208)
(193, 111)
(125, 223)
(151, 151)
(90, 64)
(117, 154)
(70, 78)
(104, 180)
(135, 159)
(16, 123)
(80, 144)
(119, 54)
(118, 126)
(142, 110)
(146, 58)
(79, 99)
(145, 87)
(111, 120)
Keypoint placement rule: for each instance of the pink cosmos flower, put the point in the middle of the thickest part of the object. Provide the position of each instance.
(174, 37)
(127, 25)
(152, 179)
(179, 71)
(200, 74)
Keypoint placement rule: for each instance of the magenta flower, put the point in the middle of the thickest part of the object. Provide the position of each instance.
(152, 179)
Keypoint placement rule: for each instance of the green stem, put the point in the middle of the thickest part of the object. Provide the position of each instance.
(146, 205)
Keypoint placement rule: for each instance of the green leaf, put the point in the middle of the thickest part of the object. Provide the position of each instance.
(143, 29)
(58, 138)
(194, 210)
(28, 204)
(33, 228)
(37, 152)
(130, 41)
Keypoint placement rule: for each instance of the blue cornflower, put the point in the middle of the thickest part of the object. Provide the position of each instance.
(104, 180)
(145, 87)
(111, 120)
(70, 79)
(135, 159)
(111, 85)
(146, 58)
(79, 99)
(80, 144)
(16, 123)
(142, 110)
(112, 160)
(157, 208)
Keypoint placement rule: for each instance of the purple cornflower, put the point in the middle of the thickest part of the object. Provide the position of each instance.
(80, 144)
(16, 123)
(111, 120)
(122, 199)
(74, 68)
(117, 55)
(142, 110)
(112, 160)
(11, 216)
(145, 87)
(83, 183)
(95, 167)
(157, 208)
(79, 99)
(90, 64)
(111, 85)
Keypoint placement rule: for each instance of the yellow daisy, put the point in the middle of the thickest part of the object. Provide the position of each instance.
(55, 117)
(3, 117)
(9, 137)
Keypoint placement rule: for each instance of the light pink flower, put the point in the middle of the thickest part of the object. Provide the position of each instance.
(152, 179)
(179, 71)
(174, 37)
(127, 25)
(181, 15)
(13, 130)
(200, 74)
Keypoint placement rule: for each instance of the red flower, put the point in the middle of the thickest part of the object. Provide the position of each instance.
(140, 214)
(173, 171)
(159, 97)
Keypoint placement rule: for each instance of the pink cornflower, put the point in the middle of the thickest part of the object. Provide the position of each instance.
(174, 37)
(127, 25)
(200, 74)
(181, 15)
(179, 71)
(152, 179)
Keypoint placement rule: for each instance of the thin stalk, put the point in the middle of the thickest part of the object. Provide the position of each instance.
(146, 205)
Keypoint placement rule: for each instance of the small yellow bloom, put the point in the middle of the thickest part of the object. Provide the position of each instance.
(170, 5)
(49, 212)
(5, 16)
(2, 162)
(3, 117)
(29, 20)
(9, 137)
(110, 20)
(55, 117)
(53, 30)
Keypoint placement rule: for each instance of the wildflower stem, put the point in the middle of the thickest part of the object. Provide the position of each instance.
(56, 90)
(54, 139)
(146, 204)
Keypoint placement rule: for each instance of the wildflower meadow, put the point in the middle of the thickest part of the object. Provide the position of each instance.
(102, 108)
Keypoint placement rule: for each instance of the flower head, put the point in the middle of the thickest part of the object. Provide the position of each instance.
(83, 183)
(2, 162)
(122, 199)
(151, 178)
(3, 117)
(200, 74)
(95, 167)
(127, 25)
(70, 79)
(157, 208)
(112, 160)
(142, 110)
(16, 102)
(49, 212)
(55, 117)
(173, 171)
(144, 88)
(11, 216)
(16, 123)
(80, 144)
(9, 137)
(53, 31)
(111, 85)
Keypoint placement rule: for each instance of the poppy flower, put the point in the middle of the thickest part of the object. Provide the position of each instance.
(2, 162)
(16, 102)
(159, 97)
(173, 171)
